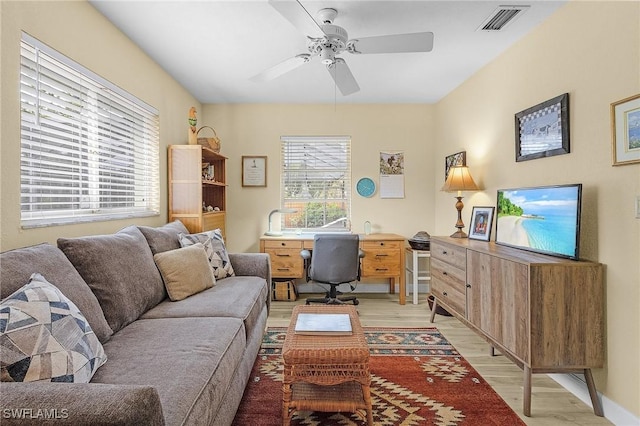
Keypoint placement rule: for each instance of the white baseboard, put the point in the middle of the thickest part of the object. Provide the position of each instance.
(613, 412)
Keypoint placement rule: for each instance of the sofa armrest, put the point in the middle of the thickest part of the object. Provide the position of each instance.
(251, 264)
(89, 404)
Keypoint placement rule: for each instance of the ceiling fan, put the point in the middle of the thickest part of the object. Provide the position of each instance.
(327, 40)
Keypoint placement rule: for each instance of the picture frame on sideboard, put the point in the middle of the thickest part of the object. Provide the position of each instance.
(481, 223)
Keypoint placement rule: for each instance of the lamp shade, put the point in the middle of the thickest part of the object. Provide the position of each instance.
(459, 179)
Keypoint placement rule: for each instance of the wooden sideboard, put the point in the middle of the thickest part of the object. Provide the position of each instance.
(384, 257)
(544, 313)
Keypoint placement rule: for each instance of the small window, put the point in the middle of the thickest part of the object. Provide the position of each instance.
(89, 151)
(316, 182)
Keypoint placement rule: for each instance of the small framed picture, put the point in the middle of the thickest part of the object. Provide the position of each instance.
(457, 159)
(481, 223)
(254, 170)
(625, 131)
(543, 130)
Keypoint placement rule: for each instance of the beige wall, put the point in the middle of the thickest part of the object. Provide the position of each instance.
(256, 130)
(592, 51)
(77, 30)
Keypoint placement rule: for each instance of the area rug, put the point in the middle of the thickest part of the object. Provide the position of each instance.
(417, 378)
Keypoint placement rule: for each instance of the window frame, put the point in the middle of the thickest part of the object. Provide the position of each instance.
(89, 151)
(323, 181)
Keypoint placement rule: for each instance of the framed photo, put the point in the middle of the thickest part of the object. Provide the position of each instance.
(457, 159)
(481, 222)
(543, 130)
(254, 170)
(625, 131)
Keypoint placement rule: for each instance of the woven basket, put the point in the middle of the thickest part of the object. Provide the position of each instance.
(213, 143)
(284, 290)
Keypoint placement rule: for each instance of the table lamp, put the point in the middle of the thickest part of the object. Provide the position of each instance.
(277, 233)
(459, 179)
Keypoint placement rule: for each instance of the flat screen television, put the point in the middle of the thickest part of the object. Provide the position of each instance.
(544, 219)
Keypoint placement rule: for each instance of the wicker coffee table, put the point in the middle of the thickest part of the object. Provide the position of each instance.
(326, 372)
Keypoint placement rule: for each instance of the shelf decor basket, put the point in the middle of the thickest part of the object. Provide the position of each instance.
(210, 142)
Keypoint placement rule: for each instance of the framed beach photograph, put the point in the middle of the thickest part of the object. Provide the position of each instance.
(625, 131)
(543, 130)
(254, 170)
(481, 222)
(457, 159)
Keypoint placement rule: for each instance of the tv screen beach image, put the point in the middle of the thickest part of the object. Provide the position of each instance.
(544, 219)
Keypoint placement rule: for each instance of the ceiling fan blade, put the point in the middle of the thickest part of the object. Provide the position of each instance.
(398, 43)
(282, 68)
(294, 12)
(341, 74)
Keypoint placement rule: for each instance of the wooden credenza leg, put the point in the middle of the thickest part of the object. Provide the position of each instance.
(593, 393)
(433, 310)
(526, 401)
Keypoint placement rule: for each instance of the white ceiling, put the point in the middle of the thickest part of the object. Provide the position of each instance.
(214, 47)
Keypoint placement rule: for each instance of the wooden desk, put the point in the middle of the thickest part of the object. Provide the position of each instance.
(384, 257)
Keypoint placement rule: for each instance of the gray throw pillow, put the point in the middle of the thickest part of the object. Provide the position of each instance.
(121, 272)
(164, 238)
(216, 251)
(45, 338)
(16, 266)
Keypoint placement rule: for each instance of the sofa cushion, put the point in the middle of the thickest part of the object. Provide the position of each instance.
(189, 361)
(120, 270)
(242, 297)
(45, 337)
(17, 266)
(216, 250)
(163, 238)
(185, 271)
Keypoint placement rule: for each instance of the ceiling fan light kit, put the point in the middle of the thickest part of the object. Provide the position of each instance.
(326, 40)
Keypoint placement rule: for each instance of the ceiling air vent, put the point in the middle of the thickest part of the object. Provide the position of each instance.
(502, 16)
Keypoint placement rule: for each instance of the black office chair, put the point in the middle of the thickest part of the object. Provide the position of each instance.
(335, 260)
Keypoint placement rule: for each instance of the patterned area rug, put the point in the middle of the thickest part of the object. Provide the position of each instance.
(417, 378)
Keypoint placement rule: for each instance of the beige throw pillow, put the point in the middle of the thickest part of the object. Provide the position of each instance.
(185, 271)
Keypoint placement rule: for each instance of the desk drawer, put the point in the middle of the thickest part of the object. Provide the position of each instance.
(381, 260)
(286, 263)
(456, 256)
(381, 245)
(291, 244)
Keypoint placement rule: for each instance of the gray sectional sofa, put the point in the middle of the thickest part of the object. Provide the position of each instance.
(168, 362)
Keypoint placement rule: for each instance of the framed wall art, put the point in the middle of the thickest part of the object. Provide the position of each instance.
(625, 131)
(457, 159)
(481, 222)
(254, 170)
(543, 130)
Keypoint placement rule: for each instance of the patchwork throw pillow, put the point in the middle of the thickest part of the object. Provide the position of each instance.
(45, 337)
(216, 252)
(185, 271)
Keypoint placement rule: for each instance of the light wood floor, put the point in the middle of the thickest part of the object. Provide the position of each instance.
(551, 405)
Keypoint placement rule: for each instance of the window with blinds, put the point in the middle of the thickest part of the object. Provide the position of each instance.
(89, 150)
(316, 182)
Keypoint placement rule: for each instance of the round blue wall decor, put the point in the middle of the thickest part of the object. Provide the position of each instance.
(366, 187)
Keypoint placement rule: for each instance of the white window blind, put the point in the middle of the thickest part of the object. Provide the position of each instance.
(316, 182)
(89, 150)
